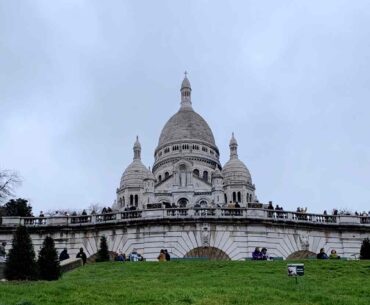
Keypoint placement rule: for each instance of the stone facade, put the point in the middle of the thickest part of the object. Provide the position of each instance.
(220, 232)
(187, 170)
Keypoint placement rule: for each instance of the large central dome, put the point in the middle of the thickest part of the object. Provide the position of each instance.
(186, 124)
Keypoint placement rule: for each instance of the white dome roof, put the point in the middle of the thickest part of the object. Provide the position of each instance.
(136, 172)
(134, 175)
(186, 124)
(235, 171)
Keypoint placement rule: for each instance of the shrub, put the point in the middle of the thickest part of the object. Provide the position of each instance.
(103, 254)
(21, 264)
(365, 249)
(48, 262)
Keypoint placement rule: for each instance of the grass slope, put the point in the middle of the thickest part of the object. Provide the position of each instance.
(203, 282)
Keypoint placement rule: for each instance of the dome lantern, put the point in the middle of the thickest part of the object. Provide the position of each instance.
(233, 147)
(137, 149)
(185, 92)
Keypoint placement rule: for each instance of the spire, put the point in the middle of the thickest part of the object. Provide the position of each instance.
(233, 147)
(185, 92)
(137, 149)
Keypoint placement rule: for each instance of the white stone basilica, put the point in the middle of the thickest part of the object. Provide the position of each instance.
(187, 170)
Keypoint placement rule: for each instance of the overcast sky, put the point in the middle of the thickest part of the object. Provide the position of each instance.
(80, 79)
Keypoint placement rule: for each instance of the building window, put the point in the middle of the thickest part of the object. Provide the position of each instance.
(203, 204)
(185, 146)
(166, 175)
(239, 197)
(160, 178)
(195, 147)
(234, 197)
(196, 172)
(131, 199)
(136, 200)
(205, 149)
(182, 202)
(225, 198)
(166, 150)
(205, 176)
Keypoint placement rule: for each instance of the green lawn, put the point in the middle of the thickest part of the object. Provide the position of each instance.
(201, 282)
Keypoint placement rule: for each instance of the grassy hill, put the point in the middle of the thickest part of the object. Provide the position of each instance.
(202, 282)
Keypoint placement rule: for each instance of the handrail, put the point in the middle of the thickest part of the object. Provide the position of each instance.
(191, 213)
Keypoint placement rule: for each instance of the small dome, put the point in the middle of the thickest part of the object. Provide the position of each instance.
(149, 175)
(134, 175)
(186, 124)
(136, 172)
(235, 171)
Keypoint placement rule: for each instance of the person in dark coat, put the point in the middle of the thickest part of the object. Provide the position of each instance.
(82, 255)
(168, 257)
(257, 254)
(322, 254)
(63, 255)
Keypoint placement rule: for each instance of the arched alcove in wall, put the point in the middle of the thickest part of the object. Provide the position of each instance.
(210, 253)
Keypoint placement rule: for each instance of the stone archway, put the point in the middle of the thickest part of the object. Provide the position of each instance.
(301, 254)
(210, 253)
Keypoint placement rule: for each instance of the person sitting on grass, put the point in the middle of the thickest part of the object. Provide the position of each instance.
(63, 255)
(162, 256)
(264, 254)
(82, 255)
(257, 254)
(322, 254)
(334, 255)
(168, 256)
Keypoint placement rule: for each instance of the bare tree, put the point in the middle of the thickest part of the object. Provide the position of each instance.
(96, 207)
(8, 181)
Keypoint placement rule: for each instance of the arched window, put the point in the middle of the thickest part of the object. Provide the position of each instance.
(234, 197)
(225, 198)
(205, 176)
(239, 197)
(182, 202)
(136, 200)
(196, 172)
(203, 204)
(159, 178)
(131, 199)
(166, 174)
(120, 202)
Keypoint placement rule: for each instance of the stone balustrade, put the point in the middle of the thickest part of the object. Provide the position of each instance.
(216, 213)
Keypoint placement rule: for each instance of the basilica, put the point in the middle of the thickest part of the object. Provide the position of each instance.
(187, 171)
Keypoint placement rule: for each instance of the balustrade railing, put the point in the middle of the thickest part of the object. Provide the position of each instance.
(131, 214)
(198, 212)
